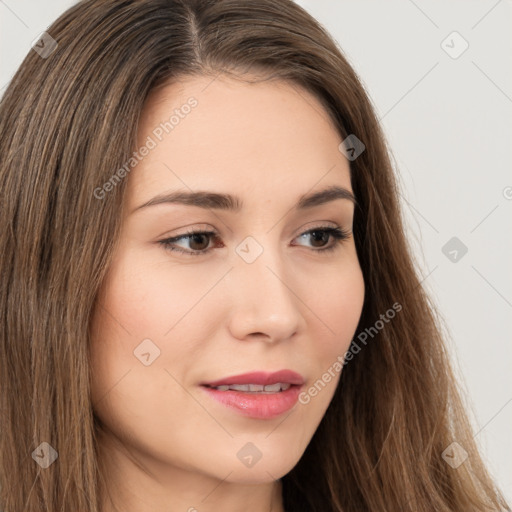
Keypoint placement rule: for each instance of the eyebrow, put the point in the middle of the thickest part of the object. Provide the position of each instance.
(228, 202)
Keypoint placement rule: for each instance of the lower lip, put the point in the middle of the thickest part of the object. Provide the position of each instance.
(257, 405)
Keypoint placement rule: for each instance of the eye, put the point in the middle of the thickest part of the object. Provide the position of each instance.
(322, 234)
(199, 240)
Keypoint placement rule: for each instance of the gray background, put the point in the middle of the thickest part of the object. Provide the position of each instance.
(449, 125)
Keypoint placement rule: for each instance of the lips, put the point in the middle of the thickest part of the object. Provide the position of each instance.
(258, 395)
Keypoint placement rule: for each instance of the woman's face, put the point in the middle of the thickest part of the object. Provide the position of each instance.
(258, 296)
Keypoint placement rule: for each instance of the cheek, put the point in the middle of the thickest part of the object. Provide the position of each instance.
(336, 304)
(347, 311)
(135, 309)
(146, 299)
(337, 307)
(148, 296)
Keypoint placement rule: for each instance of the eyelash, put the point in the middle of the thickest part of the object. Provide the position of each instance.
(337, 233)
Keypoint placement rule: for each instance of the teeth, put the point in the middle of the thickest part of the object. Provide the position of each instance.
(240, 387)
(255, 388)
(273, 387)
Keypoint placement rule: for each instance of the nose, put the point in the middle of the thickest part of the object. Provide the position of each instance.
(263, 302)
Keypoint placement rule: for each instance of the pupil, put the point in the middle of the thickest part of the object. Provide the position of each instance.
(316, 238)
(195, 239)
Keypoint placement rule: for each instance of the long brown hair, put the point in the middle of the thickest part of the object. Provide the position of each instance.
(68, 121)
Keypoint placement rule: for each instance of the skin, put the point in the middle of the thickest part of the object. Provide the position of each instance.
(166, 445)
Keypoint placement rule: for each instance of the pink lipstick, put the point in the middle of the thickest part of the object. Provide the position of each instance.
(258, 395)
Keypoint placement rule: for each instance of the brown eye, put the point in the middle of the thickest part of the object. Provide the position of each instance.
(197, 242)
(321, 235)
(319, 238)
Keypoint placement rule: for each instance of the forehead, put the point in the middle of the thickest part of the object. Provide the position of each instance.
(256, 140)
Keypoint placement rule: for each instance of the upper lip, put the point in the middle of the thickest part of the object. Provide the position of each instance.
(259, 377)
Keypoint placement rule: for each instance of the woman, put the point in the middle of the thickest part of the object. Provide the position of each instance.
(208, 299)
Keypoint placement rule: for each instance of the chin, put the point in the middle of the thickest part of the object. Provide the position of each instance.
(258, 462)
